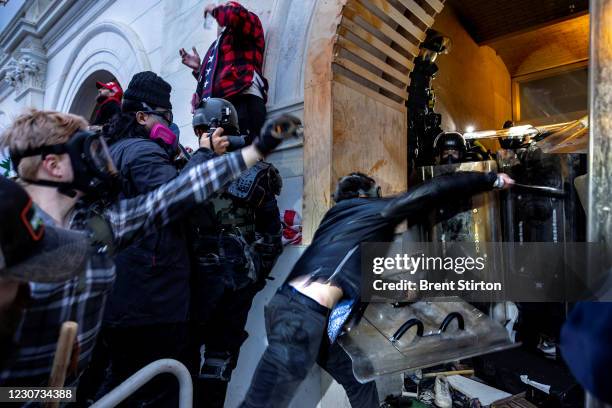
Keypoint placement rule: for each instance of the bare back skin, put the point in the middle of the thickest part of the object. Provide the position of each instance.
(324, 294)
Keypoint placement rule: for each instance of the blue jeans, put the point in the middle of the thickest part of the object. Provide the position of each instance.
(297, 339)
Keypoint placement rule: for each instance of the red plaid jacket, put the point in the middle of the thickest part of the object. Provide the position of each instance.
(240, 54)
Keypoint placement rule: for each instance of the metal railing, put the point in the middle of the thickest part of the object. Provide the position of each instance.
(144, 375)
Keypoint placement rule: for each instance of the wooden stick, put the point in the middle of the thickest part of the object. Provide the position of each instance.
(456, 372)
(62, 358)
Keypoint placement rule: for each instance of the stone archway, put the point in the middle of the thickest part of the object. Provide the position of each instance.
(84, 102)
(107, 47)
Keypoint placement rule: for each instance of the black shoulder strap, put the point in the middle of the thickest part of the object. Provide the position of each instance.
(101, 233)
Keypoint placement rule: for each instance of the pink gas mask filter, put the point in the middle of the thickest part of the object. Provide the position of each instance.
(163, 133)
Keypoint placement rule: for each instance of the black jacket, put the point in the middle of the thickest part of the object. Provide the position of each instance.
(334, 254)
(152, 283)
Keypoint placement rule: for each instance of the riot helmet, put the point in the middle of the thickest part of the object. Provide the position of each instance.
(449, 148)
(216, 112)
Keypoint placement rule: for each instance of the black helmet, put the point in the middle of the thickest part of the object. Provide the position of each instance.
(449, 148)
(449, 141)
(216, 112)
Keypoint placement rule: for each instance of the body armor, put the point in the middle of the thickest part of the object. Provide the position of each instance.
(226, 241)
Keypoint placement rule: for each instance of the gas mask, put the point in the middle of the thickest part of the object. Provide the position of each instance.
(450, 157)
(93, 169)
(165, 135)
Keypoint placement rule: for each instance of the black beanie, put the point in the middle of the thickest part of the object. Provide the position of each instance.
(149, 88)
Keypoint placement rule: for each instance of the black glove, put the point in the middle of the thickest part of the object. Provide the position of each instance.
(275, 130)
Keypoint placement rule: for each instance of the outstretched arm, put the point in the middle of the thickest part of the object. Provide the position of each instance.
(137, 217)
(441, 189)
(131, 219)
(238, 18)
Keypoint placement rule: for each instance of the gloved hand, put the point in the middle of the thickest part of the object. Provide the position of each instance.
(275, 130)
(503, 181)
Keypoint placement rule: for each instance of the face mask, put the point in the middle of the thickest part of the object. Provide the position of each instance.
(94, 172)
(164, 134)
(450, 158)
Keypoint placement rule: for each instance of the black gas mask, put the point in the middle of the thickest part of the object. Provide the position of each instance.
(93, 169)
(450, 157)
(449, 148)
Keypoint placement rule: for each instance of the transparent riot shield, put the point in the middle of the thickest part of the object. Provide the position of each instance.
(474, 219)
(389, 339)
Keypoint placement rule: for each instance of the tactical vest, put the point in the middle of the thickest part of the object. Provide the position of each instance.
(225, 227)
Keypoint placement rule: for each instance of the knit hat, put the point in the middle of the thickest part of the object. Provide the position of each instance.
(149, 88)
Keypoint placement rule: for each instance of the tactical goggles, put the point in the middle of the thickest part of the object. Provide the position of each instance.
(85, 146)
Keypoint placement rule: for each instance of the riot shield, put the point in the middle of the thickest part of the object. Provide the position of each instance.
(389, 339)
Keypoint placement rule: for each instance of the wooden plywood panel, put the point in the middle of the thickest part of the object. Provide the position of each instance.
(364, 73)
(371, 59)
(375, 42)
(387, 9)
(340, 78)
(318, 133)
(370, 137)
(318, 138)
(357, 71)
(356, 10)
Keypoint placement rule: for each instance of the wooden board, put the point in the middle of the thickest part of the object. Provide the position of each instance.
(418, 12)
(436, 5)
(354, 111)
(364, 73)
(375, 42)
(355, 9)
(318, 115)
(398, 17)
(400, 107)
(374, 143)
(375, 61)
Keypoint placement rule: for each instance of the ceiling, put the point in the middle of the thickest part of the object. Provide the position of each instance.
(545, 47)
(488, 20)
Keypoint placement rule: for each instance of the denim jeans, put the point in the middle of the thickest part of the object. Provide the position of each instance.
(297, 339)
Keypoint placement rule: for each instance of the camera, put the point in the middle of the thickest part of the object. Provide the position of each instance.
(216, 112)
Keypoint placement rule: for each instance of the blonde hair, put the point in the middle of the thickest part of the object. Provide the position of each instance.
(37, 128)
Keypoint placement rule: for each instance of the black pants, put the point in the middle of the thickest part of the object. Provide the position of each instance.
(296, 328)
(251, 114)
(131, 348)
(221, 317)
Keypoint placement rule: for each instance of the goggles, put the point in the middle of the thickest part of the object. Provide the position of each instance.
(167, 115)
(92, 146)
(92, 164)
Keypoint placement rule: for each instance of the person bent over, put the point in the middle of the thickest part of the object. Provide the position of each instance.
(326, 280)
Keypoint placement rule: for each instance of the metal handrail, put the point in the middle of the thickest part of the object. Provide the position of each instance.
(144, 375)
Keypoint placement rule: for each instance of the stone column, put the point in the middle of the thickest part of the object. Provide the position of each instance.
(600, 118)
(26, 74)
